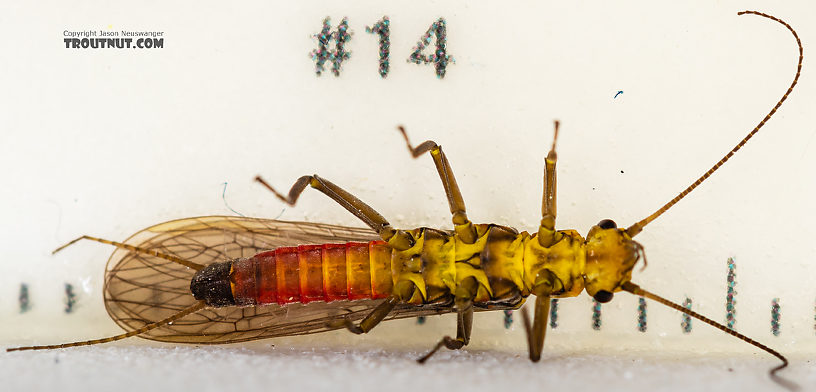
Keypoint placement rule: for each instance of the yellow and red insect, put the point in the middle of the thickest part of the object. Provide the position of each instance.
(221, 279)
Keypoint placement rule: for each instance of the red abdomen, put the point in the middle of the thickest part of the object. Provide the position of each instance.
(307, 273)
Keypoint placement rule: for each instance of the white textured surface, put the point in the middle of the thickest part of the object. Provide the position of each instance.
(133, 368)
(609, 360)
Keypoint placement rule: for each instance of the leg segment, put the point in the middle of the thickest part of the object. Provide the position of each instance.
(373, 319)
(537, 332)
(136, 249)
(464, 321)
(546, 232)
(397, 239)
(464, 324)
(403, 291)
(463, 227)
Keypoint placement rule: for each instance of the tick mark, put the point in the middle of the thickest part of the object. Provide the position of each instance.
(641, 319)
(508, 318)
(70, 298)
(618, 93)
(25, 304)
(596, 315)
(731, 295)
(686, 323)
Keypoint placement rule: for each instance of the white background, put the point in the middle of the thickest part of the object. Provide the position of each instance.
(106, 142)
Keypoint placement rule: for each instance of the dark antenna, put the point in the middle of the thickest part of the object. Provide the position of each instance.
(637, 227)
(192, 309)
(635, 289)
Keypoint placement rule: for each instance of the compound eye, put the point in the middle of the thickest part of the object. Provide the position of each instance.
(607, 224)
(603, 296)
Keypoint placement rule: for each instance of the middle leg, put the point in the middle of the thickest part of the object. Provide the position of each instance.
(537, 332)
(464, 295)
(462, 226)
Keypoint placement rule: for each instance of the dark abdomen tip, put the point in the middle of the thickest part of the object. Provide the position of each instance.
(212, 285)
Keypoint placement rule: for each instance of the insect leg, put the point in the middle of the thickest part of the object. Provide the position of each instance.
(135, 249)
(373, 319)
(462, 225)
(546, 231)
(537, 332)
(402, 292)
(397, 239)
(464, 324)
(465, 293)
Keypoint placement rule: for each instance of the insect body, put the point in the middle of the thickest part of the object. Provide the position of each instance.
(233, 279)
(499, 269)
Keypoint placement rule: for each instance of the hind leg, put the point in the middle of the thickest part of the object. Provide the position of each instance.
(397, 239)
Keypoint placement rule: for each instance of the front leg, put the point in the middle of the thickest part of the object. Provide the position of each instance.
(546, 231)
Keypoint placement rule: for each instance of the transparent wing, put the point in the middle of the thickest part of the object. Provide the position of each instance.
(141, 289)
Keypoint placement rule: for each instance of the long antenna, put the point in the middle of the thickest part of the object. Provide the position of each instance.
(635, 289)
(637, 227)
(135, 249)
(192, 309)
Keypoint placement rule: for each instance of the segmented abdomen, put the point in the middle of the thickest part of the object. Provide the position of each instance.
(307, 273)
